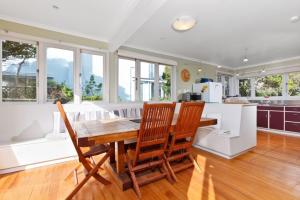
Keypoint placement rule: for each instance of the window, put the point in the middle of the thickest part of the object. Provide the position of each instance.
(19, 66)
(294, 84)
(269, 86)
(245, 87)
(165, 82)
(224, 79)
(59, 74)
(144, 81)
(147, 80)
(91, 77)
(127, 80)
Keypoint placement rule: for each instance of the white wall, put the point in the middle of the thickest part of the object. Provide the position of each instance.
(20, 122)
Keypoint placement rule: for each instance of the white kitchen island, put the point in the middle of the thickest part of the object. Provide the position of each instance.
(235, 132)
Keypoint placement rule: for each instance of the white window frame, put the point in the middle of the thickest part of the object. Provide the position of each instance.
(285, 79)
(75, 71)
(251, 84)
(41, 75)
(105, 75)
(286, 86)
(28, 41)
(156, 79)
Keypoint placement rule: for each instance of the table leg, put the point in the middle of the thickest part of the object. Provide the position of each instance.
(112, 158)
(121, 157)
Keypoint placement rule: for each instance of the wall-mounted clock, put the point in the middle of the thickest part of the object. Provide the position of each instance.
(185, 75)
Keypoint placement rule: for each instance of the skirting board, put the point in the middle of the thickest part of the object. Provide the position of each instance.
(221, 154)
(279, 132)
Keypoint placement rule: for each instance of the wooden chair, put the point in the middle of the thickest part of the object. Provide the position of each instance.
(85, 158)
(182, 137)
(151, 145)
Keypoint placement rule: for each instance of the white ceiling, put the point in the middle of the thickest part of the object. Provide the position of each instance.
(223, 31)
(98, 19)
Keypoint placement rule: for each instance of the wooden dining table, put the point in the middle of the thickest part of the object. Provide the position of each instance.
(115, 132)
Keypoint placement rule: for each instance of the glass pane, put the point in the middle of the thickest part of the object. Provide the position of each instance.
(294, 84)
(245, 87)
(268, 86)
(126, 88)
(19, 65)
(226, 85)
(91, 77)
(165, 82)
(147, 81)
(59, 74)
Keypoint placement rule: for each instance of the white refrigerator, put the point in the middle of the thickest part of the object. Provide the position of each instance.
(211, 92)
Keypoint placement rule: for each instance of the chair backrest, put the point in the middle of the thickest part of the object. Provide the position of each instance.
(70, 130)
(186, 126)
(189, 118)
(154, 131)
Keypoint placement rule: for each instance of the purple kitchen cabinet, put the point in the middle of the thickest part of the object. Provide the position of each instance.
(292, 116)
(295, 109)
(279, 108)
(262, 119)
(294, 127)
(276, 120)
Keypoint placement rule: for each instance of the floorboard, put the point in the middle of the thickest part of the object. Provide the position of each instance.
(270, 171)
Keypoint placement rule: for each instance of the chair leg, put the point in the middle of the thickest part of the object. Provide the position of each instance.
(167, 173)
(195, 163)
(93, 162)
(75, 176)
(92, 172)
(170, 169)
(134, 180)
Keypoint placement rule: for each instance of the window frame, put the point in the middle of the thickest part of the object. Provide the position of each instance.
(105, 74)
(41, 75)
(156, 97)
(20, 40)
(286, 88)
(285, 79)
(75, 68)
(249, 88)
(282, 88)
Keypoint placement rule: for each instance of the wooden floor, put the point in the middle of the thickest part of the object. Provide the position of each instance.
(271, 171)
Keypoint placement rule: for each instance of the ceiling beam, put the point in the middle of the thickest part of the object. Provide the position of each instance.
(140, 13)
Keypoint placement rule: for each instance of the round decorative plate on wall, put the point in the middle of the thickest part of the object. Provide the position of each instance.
(185, 75)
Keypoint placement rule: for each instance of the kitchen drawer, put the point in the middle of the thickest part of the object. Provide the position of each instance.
(292, 116)
(295, 109)
(279, 108)
(294, 127)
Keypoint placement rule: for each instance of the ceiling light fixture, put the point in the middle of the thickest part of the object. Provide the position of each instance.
(184, 23)
(245, 60)
(263, 71)
(199, 70)
(295, 19)
(237, 74)
(219, 66)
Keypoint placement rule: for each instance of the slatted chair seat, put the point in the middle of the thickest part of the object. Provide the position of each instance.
(151, 145)
(180, 144)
